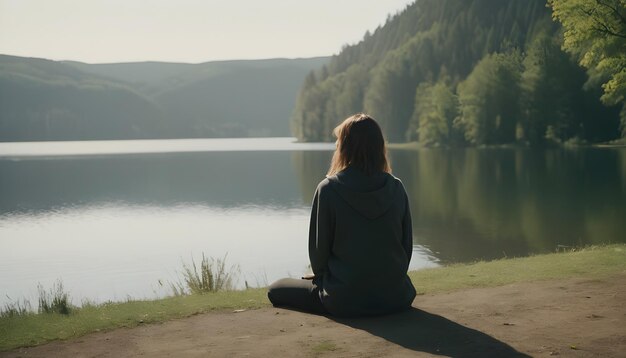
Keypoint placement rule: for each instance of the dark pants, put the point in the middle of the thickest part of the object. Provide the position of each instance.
(303, 295)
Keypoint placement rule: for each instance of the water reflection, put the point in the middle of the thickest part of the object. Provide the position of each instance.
(222, 179)
(467, 204)
(472, 204)
(310, 168)
(106, 252)
(93, 219)
(488, 203)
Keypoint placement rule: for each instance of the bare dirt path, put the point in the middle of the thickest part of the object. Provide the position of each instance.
(569, 318)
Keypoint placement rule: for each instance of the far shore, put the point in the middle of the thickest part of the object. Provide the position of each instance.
(620, 143)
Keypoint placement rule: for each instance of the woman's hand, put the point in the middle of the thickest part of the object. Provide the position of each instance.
(308, 276)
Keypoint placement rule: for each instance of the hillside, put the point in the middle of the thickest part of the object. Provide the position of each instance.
(460, 72)
(46, 100)
(49, 100)
(237, 98)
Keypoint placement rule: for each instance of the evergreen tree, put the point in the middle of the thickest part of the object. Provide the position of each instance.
(552, 84)
(489, 100)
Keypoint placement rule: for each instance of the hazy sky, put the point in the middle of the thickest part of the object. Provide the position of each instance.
(98, 31)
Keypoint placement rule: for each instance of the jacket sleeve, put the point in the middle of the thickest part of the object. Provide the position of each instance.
(321, 229)
(407, 229)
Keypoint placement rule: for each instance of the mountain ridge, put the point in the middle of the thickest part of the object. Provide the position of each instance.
(42, 99)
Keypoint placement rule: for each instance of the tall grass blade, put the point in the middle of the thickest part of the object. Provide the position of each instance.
(211, 275)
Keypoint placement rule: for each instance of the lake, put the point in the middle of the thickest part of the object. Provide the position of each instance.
(115, 219)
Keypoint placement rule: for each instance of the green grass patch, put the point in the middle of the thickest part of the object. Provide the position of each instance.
(18, 330)
(34, 329)
(324, 347)
(595, 262)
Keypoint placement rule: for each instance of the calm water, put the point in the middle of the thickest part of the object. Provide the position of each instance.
(111, 219)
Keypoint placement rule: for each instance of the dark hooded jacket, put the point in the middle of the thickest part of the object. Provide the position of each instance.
(360, 244)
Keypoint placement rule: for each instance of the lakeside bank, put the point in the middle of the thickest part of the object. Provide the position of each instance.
(35, 329)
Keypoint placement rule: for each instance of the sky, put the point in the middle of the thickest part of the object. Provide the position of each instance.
(193, 31)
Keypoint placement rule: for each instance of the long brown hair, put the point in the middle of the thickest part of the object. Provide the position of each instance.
(360, 144)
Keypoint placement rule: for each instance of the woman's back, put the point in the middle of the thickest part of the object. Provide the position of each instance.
(360, 234)
(361, 243)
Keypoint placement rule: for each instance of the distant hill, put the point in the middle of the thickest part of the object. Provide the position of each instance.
(49, 100)
(459, 72)
(236, 98)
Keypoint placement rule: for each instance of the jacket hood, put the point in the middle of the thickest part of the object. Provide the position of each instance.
(370, 196)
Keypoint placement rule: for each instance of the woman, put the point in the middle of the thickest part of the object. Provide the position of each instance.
(360, 235)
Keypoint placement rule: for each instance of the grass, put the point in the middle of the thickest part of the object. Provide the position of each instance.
(594, 262)
(57, 300)
(17, 308)
(30, 329)
(211, 275)
(324, 347)
(34, 329)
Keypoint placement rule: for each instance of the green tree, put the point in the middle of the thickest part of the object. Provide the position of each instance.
(552, 86)
(349, 100)
(490, 100)
(436, 107)
(595, 32)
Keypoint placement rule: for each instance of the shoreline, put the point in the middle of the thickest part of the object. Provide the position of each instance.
(35, 329)
(417, 145)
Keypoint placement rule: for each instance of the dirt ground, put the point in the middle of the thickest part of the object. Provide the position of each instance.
(569, 318)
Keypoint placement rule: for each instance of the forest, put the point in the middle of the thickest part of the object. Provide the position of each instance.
(479, 72)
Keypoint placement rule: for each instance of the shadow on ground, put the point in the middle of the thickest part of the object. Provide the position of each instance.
(426, 332)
